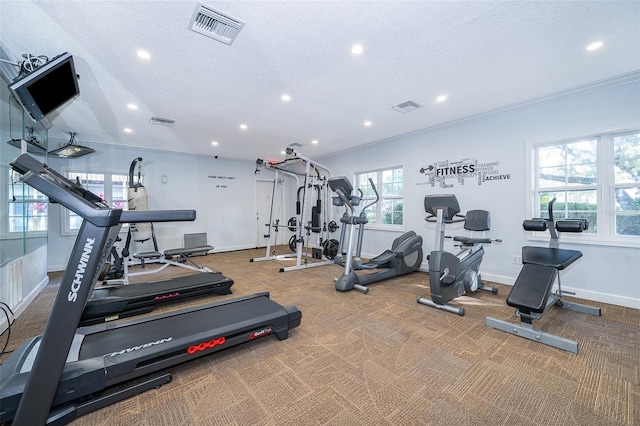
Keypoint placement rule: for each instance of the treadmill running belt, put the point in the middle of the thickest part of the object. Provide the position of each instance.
(111, 303)
(141, 289)
(227, 318)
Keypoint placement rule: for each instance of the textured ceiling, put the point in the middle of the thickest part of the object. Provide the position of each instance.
(484, 55)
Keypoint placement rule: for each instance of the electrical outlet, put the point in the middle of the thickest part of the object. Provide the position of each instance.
(517, 260)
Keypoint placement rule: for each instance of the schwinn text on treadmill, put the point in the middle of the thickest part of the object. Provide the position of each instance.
(145, 345)
(82, 266)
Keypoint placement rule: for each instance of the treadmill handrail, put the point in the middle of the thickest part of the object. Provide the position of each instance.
(136, 216)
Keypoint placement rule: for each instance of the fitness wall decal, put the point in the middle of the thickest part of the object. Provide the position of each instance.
(441, 171)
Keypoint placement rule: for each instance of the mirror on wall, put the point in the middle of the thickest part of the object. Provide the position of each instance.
(23, 210)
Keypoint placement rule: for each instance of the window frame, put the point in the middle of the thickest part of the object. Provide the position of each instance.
(65, 229)
(605, 189)
(10, 190)
(378, 206)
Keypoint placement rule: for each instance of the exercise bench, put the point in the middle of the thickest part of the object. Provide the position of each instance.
(531, 294)
(171, 257)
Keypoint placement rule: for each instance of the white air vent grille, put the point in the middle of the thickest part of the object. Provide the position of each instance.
(214, 24)
(407, 106)
(162, 121)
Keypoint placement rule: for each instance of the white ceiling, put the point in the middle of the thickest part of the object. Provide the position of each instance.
(485, 55)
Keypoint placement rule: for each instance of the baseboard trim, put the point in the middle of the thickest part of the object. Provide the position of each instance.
(594, 296)
(19, 309)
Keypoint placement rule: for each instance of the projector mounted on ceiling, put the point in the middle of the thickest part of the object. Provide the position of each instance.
(34, 146)
(71, 150)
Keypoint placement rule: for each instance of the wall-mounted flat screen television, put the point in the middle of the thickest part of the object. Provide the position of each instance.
(47, 87)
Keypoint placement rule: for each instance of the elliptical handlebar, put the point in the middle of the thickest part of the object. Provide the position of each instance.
(375, 190)
(344, 198)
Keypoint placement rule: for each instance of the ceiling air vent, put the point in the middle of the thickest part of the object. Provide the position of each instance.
(214, 24)
(407, 106)
(162, 121)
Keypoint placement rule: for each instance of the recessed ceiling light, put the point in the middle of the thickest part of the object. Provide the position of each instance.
(315, 141)
(283, 152)
(357, 49)
(367, 124)
(132, 106)
(127, 130)
(143, 54)
(441, 98)
(214, 143)
(595, 45)
(286, 97)
(243, 126)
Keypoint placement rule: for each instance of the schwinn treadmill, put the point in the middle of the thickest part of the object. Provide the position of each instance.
(68, 372)
(109, 303)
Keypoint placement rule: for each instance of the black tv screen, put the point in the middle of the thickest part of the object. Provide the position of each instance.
(47, 87)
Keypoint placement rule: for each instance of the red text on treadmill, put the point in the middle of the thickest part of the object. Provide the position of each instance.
(205, 345)
(260, 333)
(167, 296)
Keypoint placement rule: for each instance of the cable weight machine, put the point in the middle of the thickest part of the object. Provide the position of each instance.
(310, 218)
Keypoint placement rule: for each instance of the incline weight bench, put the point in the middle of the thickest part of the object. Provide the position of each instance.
(194, 245)
(531, 293)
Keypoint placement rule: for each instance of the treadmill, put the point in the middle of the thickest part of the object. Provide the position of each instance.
(69, 371)
(109, 303)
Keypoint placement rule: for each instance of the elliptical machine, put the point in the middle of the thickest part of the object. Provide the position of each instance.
(404, 257)
(452, 275)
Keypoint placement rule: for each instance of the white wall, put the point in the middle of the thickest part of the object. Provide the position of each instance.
(607, 274)
(224, 207)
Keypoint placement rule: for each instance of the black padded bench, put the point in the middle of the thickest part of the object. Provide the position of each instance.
(531, 292)
(533, 289)
(552, 257)
(539, 272)
(147, 255)
(187, 251)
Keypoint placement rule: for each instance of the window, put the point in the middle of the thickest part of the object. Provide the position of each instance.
(108, 186)
(596, 178)
(389, 183)
(27, 208)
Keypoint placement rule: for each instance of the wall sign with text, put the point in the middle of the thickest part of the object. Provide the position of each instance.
(222, 182)
(446, 173)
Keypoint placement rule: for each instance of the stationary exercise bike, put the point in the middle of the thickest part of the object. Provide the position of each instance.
(452, 275)
(403, 258)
